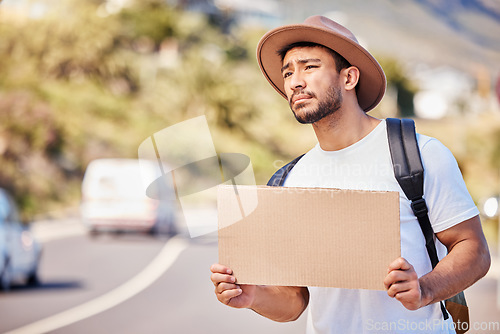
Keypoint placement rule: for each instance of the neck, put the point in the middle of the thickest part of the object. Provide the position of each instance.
(343, 128)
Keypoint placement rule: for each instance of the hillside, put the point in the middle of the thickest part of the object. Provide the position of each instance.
(461, 33)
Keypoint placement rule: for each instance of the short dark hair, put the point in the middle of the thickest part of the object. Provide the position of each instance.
(340, 62)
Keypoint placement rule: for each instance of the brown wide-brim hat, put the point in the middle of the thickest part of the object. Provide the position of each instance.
(323, 31)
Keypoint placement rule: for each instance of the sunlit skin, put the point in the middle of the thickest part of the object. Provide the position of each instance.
(311, 84)
(320, 95)
(317, 92)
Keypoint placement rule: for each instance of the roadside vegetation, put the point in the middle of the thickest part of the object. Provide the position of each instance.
(86, 81)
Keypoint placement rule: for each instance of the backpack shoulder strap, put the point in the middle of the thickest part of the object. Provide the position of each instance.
(280, 175)
(409, 173)
(405, 156)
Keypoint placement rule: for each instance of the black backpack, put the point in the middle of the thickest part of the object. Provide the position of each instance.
(409, 173)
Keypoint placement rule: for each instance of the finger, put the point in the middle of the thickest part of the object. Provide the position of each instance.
(226, 296)
(219, 268)
(396, 276)
(218, 278)
(399, 264)
(410, 299)
(225, 286)
(398, 288)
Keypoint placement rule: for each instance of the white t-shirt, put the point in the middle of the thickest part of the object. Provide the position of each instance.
(367, 165)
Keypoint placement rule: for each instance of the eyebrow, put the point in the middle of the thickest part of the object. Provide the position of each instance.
(301, 61)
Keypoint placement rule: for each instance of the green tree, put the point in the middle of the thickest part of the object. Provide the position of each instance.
(405, 88)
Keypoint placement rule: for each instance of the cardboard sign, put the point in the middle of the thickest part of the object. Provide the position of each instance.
(308, 236)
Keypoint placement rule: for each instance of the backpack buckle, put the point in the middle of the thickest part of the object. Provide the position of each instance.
(419, 207)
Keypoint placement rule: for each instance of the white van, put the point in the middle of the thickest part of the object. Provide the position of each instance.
(114, 199)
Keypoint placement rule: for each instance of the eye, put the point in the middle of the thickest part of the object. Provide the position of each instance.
(286, 74)
(308, 67)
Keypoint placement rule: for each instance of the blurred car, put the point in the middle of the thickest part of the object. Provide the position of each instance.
(114, 199)
(19, 251)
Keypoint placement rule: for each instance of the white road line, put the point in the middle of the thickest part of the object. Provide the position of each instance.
(167, 256)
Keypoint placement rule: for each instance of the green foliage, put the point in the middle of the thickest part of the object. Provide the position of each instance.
(86, 82)
(83, 82)
(150, 19)
(405, 89)
(495, 155)
(59, 76)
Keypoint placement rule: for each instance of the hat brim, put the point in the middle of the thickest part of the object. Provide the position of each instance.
(372, 81)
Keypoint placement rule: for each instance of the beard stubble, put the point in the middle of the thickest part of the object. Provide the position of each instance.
(328, 106)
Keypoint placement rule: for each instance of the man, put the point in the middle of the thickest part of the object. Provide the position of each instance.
(330, 81)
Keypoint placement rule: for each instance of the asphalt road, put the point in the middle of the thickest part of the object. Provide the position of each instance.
(131, 283)
(126, 284)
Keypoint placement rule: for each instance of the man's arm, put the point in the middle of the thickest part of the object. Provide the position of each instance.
(467, 261)
(278, 303)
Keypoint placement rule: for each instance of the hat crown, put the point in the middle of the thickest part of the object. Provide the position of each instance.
(325, 23)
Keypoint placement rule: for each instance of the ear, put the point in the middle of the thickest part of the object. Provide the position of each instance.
(351, 77)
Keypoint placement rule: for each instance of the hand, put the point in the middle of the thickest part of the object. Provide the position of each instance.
(227, 291)
(402, 283)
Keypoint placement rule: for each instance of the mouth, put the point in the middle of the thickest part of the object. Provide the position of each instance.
(298, 99)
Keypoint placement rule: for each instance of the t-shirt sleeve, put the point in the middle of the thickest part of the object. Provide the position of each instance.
(445, 192)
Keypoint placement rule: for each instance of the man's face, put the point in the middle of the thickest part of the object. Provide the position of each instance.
(311, 83)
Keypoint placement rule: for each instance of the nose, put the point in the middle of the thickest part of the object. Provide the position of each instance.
(297, 81)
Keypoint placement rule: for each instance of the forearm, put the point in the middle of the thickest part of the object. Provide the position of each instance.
(465, 264)
(280, 303)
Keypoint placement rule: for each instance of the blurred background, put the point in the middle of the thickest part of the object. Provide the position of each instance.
(91, 79)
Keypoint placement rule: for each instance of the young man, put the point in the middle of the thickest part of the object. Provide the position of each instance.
(330, 81)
